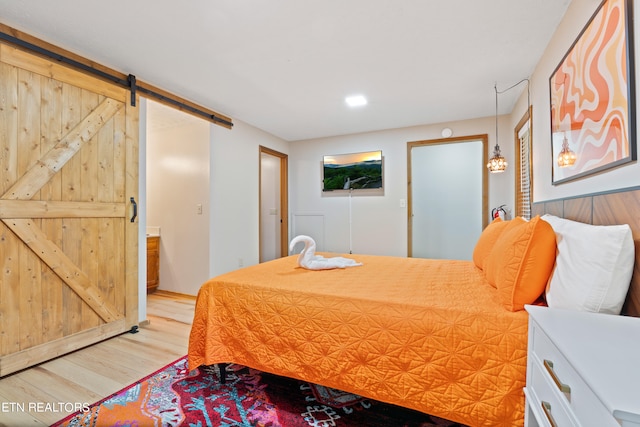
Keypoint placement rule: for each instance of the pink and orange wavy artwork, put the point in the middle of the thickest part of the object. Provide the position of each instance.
(589, 95)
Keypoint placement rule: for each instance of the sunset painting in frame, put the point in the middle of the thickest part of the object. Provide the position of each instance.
(592, 96)
(356, 171)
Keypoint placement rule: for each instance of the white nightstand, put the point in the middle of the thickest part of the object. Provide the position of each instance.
(583, 369)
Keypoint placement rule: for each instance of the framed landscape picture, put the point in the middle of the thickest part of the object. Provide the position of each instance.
(356, 171)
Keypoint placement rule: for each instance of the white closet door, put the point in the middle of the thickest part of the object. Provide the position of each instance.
(446, 182)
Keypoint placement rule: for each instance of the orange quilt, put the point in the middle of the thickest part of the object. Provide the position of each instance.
(425, 334)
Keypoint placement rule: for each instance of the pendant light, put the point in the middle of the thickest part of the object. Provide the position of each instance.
(497, 162)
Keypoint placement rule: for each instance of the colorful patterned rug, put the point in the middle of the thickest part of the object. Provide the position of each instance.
(173, 396)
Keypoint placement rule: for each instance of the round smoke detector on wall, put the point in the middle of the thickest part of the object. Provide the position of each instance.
(446, 132)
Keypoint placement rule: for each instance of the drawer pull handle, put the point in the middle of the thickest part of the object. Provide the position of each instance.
(563, 387)
(546, 408)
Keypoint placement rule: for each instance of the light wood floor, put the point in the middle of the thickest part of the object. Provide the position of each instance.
(95, 372)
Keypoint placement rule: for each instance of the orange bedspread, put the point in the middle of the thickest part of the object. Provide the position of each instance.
(426, 334)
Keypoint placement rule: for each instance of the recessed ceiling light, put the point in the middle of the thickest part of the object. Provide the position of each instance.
(356, 101)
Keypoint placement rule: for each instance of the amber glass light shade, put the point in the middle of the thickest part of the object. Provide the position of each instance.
(497, 162)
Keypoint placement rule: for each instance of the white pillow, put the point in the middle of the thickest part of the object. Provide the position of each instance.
(594, 264)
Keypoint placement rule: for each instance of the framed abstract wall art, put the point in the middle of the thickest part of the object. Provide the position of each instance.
(593, 97)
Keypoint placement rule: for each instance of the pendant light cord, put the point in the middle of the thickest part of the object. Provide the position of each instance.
(514, 85)
(506, 90)
(496, 88)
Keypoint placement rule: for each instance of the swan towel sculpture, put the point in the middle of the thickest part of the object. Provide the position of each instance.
(309, 260)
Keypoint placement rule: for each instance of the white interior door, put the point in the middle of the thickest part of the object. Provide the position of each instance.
(447, 199)
(269, 207)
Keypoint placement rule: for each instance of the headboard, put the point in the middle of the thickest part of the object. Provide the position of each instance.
(610, 208)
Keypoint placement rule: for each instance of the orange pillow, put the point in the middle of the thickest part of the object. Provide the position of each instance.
(487, 240)
(524, 258)
(490, 264)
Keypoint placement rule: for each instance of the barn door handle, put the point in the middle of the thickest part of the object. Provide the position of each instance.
(135, 209)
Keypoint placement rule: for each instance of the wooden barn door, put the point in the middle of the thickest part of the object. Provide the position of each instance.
(68, 246)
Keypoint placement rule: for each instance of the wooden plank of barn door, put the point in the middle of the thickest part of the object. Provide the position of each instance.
(9, 250)
(8, 125)
(119, 192)
(24, 60)
(30, 301)
(10, 293)
(108, 269)
(70, 176)
(51, 192)
(89, 193)
(55, 209)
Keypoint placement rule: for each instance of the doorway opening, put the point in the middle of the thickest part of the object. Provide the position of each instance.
(177, 196)
(274, 223)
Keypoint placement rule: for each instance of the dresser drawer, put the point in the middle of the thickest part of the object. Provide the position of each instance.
(550, 408)
(549, 364)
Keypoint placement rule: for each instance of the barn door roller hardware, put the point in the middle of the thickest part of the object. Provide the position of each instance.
(181, 105)
(132, 86)
(61, 58)
(130, 82)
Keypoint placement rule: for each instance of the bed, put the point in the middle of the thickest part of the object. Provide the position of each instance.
(439, 336)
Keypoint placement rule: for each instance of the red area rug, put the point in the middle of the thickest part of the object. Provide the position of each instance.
(173, 396)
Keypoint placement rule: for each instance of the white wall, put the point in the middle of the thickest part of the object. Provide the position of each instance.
(177, 160)
(578, 14)
(379, 223)
(235, 160)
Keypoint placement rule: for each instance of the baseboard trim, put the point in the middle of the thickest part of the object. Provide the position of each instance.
(171, 294)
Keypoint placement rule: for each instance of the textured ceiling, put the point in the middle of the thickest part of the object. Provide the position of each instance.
(285, 66)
